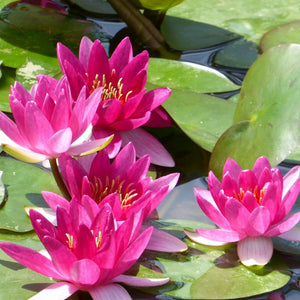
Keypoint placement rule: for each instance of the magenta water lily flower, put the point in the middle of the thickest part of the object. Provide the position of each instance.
(123, 184)
(86, 251)
(250, 207)
(48, 121)
(124, 105)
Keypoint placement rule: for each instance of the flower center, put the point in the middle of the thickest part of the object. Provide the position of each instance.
(70, 240)
(256, 192)
(112, 89)
(102, 189)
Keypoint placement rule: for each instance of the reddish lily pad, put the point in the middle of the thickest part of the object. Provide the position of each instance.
(24, 184)
(285, 34)
(267, 116)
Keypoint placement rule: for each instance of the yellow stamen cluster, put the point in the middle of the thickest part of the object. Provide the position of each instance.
(70, 240)
(102, 189)
(110, 91)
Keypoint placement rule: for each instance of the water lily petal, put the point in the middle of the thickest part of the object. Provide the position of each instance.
(85, 272)
(208, 206)
(110, 291)
(145, 143)
(247, 180)
(54, 200)
(255, 250)
(291, 235)
(31, 259)
(140, 281)
(284, 226)
(259, 221)
(260, 164)
(165, 242)
(233, 168)
(220, 235)
(201, 240)
(84, 51)
(57, 291)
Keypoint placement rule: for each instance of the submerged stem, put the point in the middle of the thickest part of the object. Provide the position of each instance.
(58, 178)
(143, 28)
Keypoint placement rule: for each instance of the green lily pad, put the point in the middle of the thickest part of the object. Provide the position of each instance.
(95, 6)
(40, 29)
(248, 18)
(27, 73)
(24, 183)
(7, 79)
(197, 116)
(17, 281)
(287, 33)
(15, 57)
(183, 34)
(266, 120)
(162, 5)
(187, 76)
(206, 272)
(238, 54)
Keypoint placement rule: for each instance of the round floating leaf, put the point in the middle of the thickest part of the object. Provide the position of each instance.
(15, 57)
(287, 33)
(39, 29)
(17, 281)
(162, 5)
(184, 34)
(187, 76)
(268, 113)
(24, 183)
(197, 116)
(27, 73)
(248, 18)
(238, 54)
(95, 6)
(7, 79)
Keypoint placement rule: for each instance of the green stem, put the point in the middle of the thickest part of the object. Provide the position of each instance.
(58, 178)
(143, 28)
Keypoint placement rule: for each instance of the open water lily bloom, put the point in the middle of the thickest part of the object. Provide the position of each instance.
(86, 251)
(123, 184)
(250, 207)
(124, 105)
(48, 121)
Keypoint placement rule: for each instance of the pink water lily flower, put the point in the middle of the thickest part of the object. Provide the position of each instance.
(86, 251)
(124, 105)
(48, 121)
(123, 184)
(250, 207)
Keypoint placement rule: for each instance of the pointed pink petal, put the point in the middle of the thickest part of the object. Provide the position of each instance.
(269, 200)
(84, 51)
(60, 142)
(89, 146)
(247, 180)
(220, 235)
(250, 201)
(57, 291)
(233, 168)
(165, 242)
(54, 200)
(230, 186)
(139, 281)
(201, 240)
(109, 291)
(168, 180)
(260, 164)
(121, 56)
(258, 222)
(284, 226)
(85, 272)
(208, 206)
(145, 143)
(159, 118)
(236, 214)
(291, 235)
(256, 250)
(31, 259)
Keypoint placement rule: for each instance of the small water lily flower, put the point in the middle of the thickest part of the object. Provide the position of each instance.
(250, 207)
(123, 184)
(124, 105)
(85, 252)
(48, 121)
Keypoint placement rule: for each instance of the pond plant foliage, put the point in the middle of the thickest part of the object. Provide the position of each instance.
(109, 108)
